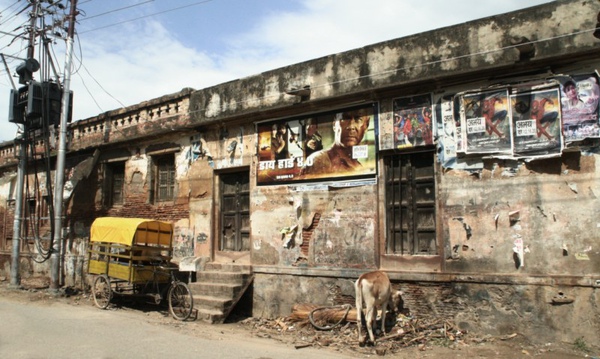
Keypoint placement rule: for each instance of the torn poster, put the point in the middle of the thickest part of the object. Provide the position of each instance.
(518, 250)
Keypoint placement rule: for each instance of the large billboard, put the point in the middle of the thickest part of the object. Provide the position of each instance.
(327, 146)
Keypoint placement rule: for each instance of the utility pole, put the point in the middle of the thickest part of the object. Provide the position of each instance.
(15, 277)
(59, 177)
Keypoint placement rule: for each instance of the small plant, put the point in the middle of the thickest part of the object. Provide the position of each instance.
(580, 344)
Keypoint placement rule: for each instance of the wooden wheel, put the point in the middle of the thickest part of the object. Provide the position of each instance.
(102, 291)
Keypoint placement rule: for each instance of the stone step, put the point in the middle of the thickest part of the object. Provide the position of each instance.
(228, 267)
(222, 277)
(209, 316)
(215, 289)
(208, 302)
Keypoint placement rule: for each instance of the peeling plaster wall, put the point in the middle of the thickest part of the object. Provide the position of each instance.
(343, 238)
(270, 301)
(558, 209)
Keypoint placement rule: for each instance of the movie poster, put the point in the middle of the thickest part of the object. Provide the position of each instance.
(327, 146)
(536, 123)
(579, 101)
(413, 122)
(486, 125)
(448, 140)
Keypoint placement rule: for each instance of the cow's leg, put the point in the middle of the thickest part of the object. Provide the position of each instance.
(370, 318)
(384, 307)
(358, 292)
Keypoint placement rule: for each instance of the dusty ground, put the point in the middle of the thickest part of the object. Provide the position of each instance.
(409, 338)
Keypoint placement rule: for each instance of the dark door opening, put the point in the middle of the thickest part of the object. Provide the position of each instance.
(235, 212)
(410, 204)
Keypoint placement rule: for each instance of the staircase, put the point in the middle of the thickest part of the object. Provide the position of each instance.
(218, 288)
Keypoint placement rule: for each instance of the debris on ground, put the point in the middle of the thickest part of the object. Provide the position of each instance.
(402, 330)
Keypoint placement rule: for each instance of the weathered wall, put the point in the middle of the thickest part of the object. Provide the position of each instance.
(557, 205)
(325, 227)
(540, 313)
(270, 301)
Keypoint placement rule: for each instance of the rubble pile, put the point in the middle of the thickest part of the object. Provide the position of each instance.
(335, 327)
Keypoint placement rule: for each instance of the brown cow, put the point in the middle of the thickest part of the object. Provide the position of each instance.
(375, 291)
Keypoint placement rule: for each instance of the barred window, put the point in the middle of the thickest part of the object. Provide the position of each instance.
(165, 178)
(114, 177)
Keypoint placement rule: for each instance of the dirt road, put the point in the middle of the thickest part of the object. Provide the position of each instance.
(72, 328)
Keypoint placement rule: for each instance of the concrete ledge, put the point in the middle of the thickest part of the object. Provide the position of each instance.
(489, 278)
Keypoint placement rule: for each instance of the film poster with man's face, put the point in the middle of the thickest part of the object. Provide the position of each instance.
(287, 147)
(580, 97)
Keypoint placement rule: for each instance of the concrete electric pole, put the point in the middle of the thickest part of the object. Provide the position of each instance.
(60, 160)
(15, 277)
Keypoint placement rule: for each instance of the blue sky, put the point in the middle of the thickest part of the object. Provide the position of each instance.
(158, 47)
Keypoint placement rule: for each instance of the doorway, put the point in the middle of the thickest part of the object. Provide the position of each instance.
(235, 212)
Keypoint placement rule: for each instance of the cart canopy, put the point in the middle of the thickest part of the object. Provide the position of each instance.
(131, 231)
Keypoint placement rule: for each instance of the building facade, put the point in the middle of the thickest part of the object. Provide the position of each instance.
(462, 161)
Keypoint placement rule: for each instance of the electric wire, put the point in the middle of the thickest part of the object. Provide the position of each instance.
(14, 32)
(101, 87)
(116, 10)
(6, 21)
(16, 12)
(146, 16)
(90, 93)
(76, 72)
(13, 17)
(9, 6)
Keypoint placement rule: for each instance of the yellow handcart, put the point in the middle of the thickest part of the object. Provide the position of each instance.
(132, 256)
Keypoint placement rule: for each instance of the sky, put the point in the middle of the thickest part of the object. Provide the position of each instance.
(129, 51)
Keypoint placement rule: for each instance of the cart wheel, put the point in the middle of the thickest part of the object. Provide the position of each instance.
(181, 302)
(102, 291)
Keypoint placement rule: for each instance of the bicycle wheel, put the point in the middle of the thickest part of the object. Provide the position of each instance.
(181, 302)
(102, 291)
